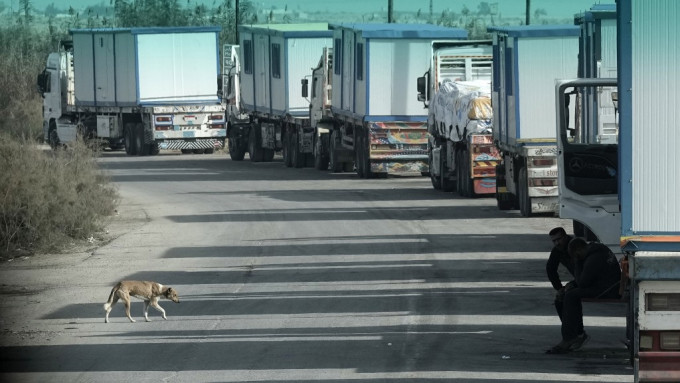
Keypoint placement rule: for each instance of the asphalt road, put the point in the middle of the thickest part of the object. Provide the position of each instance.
(295, 275)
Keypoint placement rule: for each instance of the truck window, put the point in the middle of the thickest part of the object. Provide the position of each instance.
(360, 61)
(248, 56)
(337, 55)
(276, 60)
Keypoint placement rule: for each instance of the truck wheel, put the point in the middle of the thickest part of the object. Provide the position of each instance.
(154, 149)
(268, 155)
(209, 151)
(297, 158)
(459, 174)
(54, 139)
(359, 153)
(254, 149)
(129, 139)
(333, 163)
(236, 149)
(140, 148)
(286, 152)
(435, 179)
(445, 183)
(320, 156)
(523, 194)
(504, 201)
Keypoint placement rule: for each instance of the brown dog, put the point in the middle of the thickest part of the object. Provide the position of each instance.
(150, 292)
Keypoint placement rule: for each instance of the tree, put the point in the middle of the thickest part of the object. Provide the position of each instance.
(539, 13)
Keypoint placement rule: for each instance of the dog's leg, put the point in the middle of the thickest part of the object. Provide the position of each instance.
(108, 307)
(126, 299)
(146, 311)
(154, 303)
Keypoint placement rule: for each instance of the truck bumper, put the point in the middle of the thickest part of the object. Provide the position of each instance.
(398, 147)
(205, 143)
(655, 366)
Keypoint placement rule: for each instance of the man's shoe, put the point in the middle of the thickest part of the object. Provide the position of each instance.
(563, 347)
(580, 341)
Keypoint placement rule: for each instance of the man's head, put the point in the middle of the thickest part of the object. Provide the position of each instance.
(578, 247)
(559, 237)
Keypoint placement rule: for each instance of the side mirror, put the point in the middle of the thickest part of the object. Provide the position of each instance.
(423, 88)
(305, 88)
(43, 83)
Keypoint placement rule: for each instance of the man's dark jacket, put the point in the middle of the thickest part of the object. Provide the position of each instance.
(558, 256)
(599, 270)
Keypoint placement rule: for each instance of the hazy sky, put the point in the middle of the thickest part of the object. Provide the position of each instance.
(554, 8)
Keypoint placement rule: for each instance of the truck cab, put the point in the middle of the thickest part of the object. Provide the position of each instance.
(55, 84)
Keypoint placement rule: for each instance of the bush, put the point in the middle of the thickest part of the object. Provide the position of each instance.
(49, 198)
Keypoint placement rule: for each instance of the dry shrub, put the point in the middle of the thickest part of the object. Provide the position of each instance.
(50, 198)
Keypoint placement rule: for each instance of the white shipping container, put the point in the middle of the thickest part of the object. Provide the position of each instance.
(146, 66)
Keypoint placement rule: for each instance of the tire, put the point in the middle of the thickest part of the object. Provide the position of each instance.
(321, 159)
(436, 180)
(360, 154)
(209, 151)
(297, 158)
(335, 166)
(286, 150)
(140, 148)
(445, 183)
(197, 151)
(254, 149)
(53, 138)
(267, 155)
(187, 151)
(154, 149)
(468, 184)
(236, 149)
(459, 174)
(523, 194)
(129, 139)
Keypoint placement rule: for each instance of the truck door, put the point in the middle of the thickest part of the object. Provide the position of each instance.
(104, 66)
(261, 75)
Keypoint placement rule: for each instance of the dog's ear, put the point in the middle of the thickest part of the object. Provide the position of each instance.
(169, 290)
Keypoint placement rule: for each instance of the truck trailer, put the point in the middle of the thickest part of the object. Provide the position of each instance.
(144, 89)
(632, 185)
(456, 89)
(273, 58)
(372, 117)
(526, 62)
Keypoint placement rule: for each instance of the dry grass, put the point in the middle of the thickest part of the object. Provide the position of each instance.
(49, 198)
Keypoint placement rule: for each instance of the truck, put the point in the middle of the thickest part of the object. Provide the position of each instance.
(238, 121)
(272, 58)
(371, 123)
(143, 89)
(595, 123)
(456, 89)
(526, 62)
(630, 185)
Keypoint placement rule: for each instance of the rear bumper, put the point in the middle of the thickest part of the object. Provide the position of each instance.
(657, 366)
(206, 143)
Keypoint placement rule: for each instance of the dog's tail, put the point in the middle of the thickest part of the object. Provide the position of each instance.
(113, 291)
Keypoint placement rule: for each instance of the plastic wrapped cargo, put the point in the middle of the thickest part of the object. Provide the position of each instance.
(462, 108)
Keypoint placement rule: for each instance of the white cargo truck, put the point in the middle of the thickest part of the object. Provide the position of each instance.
(629, 187)
(456, 89)
(526, 62)
(273, 58)
(238, 121)
(144, 89)
(373, 114)
(596, 216)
